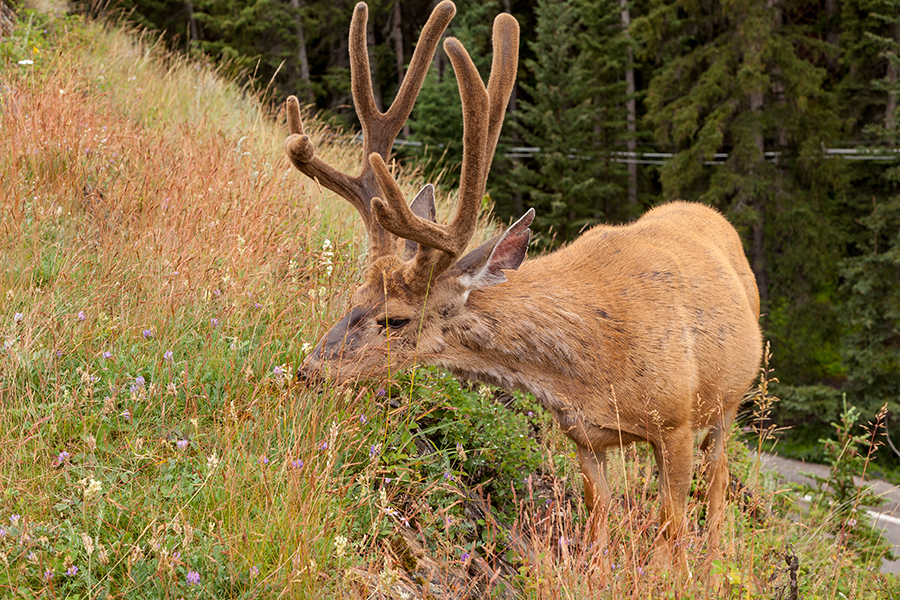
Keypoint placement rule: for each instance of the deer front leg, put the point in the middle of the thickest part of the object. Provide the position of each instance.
(596, 491)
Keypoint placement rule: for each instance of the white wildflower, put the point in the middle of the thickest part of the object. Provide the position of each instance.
(340, 546)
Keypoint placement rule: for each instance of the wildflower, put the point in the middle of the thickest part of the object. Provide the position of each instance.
(81, 315)
(193, 577)
(168, 356)
(126, 414)
(92, 489)
(32, 557)
(48, 575)
(297, 463)
(214, 322)
(139, 380)
(13, 519)
(254, 571)
(18, 317)
(63, 457)
(263, 460)
(373, 451)
(465, 556)
(176, 556)
(107, 355)
(88, 543)
(212, 461)
(72, 571)
(182, 444)
(323, 446)
(363, 419)
(530, 414)
(448, 475)
(340, 546)
(381, 393)
(278, 371)
(851, 523)
(171, 388)
(147, 333)
(305, 348)
(2, 532)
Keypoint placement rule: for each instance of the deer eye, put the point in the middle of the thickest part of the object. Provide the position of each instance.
(392, 323)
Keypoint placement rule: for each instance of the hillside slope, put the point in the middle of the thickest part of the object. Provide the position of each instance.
(164, 269)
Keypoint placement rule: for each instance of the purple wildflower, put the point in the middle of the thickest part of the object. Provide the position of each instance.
(448, 475)
(107, 355)
(176, 556)
(14, 518)
(182, 444)
(363, 419)
(72, 571)
(18, 317)
(530, 414)
(193, 577)
(381, 393)
(63, 457)
(254, 571)
(168, 356)
(81, 315)
(465, 556)
(263, 460)
(147, 333)
(373, 451)
(126, 414)
(48, 575)
(323, 446)
(297, 463)
(278, 371)
(214, 322)
(2, 532)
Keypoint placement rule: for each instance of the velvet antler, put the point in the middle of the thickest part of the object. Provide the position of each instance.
(379, 129)
(483, 111)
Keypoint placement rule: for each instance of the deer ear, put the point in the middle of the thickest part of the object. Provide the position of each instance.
(484, 266)
(423, 207)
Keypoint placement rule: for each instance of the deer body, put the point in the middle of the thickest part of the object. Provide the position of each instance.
(623, 330)
(644, 332)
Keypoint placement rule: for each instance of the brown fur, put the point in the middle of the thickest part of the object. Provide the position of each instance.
(644, 332)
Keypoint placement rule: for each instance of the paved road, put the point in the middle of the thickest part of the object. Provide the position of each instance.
(886, 517)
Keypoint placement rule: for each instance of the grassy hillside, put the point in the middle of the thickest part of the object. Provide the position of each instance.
(164, 270)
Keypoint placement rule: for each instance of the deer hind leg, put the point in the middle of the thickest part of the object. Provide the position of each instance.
(674, 457)
(596, 491)
(716, 474)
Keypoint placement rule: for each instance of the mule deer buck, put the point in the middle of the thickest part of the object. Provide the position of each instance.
(644, 332)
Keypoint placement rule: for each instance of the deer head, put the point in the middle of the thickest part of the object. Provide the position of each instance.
(406, 299)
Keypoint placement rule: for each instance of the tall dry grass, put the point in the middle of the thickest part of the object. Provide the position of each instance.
(163, 269)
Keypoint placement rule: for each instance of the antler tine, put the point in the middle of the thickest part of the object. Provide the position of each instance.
(505, 62)
(483, 111)
(379, 129)
(393, 213)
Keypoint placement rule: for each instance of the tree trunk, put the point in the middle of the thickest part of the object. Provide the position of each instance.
(376, 84)
(758, 249)
(890, 109)
(302, 57)
(192, 22)
(630, 110)
(397, 34)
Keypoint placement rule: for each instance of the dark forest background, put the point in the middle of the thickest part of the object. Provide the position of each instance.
(782, 114)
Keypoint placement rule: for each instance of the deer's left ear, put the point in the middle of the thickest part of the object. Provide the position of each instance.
(483, 266)
(423, 207)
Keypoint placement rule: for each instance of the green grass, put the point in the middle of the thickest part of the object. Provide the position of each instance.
(164, 270)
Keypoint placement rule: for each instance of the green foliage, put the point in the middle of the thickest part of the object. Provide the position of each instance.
(849, 455)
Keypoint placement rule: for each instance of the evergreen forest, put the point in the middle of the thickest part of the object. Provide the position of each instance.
(782, 114)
